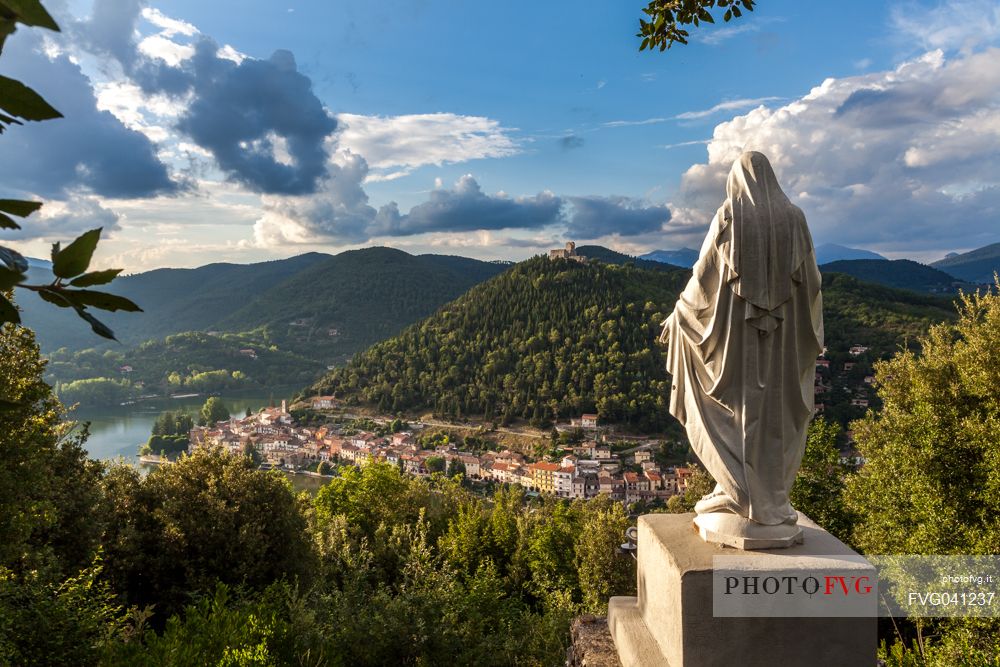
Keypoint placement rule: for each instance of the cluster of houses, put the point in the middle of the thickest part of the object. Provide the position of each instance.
(587, 470)
(827, 376)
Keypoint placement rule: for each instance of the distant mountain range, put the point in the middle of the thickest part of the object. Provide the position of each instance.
(975, 266)
(685, 257)
(287, 320)
(327, 306)
(831, 252)
(826, 252)
(965, 271)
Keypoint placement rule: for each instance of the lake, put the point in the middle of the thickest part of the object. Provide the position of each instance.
(119, 431)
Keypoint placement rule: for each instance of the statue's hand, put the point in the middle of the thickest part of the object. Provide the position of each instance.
(667, 325)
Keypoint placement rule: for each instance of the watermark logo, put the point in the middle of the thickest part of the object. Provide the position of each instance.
(837, 586)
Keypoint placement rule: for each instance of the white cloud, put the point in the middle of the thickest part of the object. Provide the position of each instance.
(748, 23)
(728, 105)
(172, 53)
(168, 26)
(953, 24)
(901, 158)
(415, 140)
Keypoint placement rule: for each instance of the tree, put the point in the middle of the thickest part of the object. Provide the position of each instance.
(435, 464)
(700, 484)
(208, 518)
(214, 410)
(666, 17)
(932, 456)
(251, 452)
(931, 479)
(819, 486)
(455, 467)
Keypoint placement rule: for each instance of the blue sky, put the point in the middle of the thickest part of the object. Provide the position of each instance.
(224, 131)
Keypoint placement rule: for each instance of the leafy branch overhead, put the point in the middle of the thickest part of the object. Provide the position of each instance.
(667, 19)
(19, 103)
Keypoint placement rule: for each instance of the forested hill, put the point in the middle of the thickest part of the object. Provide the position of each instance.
(274, 323)
(546, 339)
(880, 317)
(899, 273)
(977, 266)
(365, 295)
(553, 339)
(345, 303)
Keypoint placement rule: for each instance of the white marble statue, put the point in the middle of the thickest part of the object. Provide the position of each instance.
(743, 341)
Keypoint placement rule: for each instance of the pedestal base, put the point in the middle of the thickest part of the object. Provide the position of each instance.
(672, 621)
(739, 532)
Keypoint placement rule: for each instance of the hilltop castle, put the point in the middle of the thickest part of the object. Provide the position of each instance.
(569, 252)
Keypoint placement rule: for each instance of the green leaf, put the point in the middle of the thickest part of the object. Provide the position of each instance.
(7, 222)
(9, 278)
(31, 12)
(55, 297)
(8, 311)
(13, 260)
(19, 207)
(19, 100)
(101, 300)
(74, 259)
(96, 278)
(99, 327)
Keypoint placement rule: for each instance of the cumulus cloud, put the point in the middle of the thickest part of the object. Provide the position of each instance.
(260, 119)
(466, 208)
(341, 212)
(900, 158)
(90, 148)
(594, 217)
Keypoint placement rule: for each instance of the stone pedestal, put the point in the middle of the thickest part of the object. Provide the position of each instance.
(673, 621)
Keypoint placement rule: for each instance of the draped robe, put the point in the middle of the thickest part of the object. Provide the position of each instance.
(743, 341)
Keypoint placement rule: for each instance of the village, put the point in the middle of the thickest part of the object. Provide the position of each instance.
(584, 470)
(595, 462)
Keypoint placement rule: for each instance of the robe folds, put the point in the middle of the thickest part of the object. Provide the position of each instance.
(743, 341)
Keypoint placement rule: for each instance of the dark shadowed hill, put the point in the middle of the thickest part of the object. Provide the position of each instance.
(976, 266)
(608, 256)
(898, 273)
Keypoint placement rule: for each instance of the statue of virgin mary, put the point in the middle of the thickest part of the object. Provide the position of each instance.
(743, 341)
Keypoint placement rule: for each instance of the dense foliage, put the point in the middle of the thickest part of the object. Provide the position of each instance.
(544, 340)
(931, 479)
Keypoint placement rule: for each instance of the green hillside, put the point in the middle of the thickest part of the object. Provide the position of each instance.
(343, 304)
(173, 300)
(543, 340)
(299, 316)
(550, 340)
(899, 273)
(882, 318)
(976, 266)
